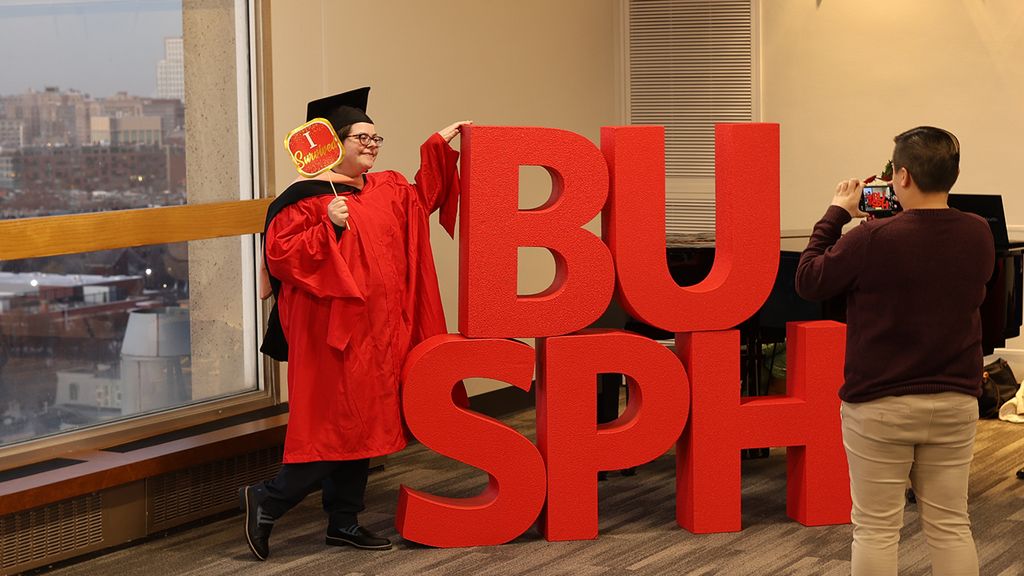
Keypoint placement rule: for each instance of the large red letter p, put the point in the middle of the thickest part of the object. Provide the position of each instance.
(574, 446)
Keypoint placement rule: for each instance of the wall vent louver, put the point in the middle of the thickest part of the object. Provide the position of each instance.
(51, 530)
(691, 65)
(189, 494)
(692, 215)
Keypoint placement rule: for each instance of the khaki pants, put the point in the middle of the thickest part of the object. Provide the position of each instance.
(928, 438)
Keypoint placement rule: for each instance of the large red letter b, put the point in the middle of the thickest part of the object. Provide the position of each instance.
(492, 228)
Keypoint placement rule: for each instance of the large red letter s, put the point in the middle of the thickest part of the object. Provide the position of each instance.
(492, 228)
(513, 464)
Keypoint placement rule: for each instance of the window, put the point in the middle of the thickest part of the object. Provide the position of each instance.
(99, 120)
(690, 66)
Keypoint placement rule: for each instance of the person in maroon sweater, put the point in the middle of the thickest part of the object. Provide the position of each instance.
(914, 283)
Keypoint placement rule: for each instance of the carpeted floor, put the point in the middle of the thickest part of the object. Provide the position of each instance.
(638, 534)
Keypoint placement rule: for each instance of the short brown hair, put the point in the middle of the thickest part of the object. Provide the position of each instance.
(931, 156)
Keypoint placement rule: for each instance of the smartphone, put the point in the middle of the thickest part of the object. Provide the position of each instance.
(879, 200)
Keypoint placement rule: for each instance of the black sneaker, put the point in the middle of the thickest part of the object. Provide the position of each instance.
(361, 538)
(258, 523)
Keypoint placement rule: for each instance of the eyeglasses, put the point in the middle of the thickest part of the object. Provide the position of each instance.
(365, 139)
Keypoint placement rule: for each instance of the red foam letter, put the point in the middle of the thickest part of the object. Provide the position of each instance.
(806, 420)
(574, 446)
(492, 228)
(746, 227)
(511, 461)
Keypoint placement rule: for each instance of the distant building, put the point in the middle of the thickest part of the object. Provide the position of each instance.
(12, 133)
(56, 119)
(128, 166)
(6, 172)
(126, 130)
(125, 352)
(154, 372)
(48, 118)
(138, 130)
(101, 130)
(90, 387)
(120, 105)
(170, 72)
(155, 360)
(78, 315)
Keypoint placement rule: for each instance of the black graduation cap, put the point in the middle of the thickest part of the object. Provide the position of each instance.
(341, 109)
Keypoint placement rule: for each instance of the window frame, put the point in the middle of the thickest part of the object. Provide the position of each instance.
(242, 218)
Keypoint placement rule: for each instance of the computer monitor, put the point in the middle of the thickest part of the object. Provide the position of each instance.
(989, 207)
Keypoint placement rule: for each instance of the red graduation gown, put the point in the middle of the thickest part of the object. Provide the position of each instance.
(352, 307)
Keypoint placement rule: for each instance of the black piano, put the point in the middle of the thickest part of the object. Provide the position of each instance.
(690, 257)
(1002, 311)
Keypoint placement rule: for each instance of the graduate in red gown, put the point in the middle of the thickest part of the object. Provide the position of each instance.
(349, 258)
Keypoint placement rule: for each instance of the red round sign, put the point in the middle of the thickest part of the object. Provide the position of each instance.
(314, 147)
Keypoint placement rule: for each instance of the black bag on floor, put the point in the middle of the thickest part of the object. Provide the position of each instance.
(998, 384)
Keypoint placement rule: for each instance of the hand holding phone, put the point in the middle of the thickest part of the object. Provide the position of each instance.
(879, 200)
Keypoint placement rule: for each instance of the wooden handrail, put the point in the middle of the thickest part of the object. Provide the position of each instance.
(78, 233)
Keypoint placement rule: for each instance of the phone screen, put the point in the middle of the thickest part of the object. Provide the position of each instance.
(879, 199)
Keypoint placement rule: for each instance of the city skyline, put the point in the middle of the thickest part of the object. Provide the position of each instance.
(96, 47)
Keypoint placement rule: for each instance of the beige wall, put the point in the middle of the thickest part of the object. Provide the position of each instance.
(525, 63)
(842, 77)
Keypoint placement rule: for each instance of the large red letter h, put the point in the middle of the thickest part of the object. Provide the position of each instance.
(806, 420)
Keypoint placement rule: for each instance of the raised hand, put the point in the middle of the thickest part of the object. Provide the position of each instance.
(449, 132)
(847, 197)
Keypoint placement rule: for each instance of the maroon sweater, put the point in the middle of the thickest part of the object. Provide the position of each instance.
(913, 285)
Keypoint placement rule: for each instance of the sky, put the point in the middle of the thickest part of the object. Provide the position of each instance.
(99, 47)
